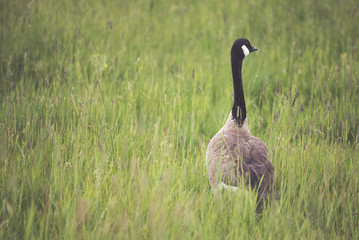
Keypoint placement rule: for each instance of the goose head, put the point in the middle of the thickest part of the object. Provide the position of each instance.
(241, 48)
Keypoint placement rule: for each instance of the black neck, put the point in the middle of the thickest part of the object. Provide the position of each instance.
(239, 105)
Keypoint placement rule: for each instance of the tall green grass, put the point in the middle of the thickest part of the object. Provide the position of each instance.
(107, 109)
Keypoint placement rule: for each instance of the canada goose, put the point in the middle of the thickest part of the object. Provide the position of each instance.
(234, 153)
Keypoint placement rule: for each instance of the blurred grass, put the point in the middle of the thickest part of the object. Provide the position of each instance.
(107, 109)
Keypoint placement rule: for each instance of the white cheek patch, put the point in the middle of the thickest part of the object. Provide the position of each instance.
(245, 50)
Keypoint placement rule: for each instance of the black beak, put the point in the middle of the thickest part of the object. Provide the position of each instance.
(253, 49)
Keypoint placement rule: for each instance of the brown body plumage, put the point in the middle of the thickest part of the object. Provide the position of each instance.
(234, 154)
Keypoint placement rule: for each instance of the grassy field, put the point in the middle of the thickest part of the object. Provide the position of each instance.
(107, 108)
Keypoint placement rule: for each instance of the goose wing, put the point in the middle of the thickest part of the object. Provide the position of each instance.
(230, 158)
(259, 166)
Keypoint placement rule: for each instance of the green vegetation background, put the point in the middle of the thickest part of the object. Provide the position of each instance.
(107, 108)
